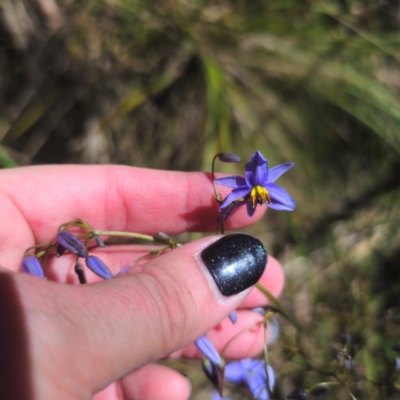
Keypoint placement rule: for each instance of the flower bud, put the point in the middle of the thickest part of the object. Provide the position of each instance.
(229, 157)
(98, 267)
(215, 373)
(163, 236)
(72, 243)
(99, 242)
(233, 317)
(31, 265)
(125, 270)
(208, 350)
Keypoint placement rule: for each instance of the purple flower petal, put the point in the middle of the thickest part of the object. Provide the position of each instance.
(281, 199)
(276, 172)
(236, 194)
(208, 350)
(271, 377)
(258, 377)
(72, 243)
(232, 181)
(98, 267)
(273, 329)
(256, 170)
(235, 372)
(250, 209)
(259, 310)
(31, 265)
(227, 211)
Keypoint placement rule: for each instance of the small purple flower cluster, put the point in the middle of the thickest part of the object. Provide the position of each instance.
(256, 374)
(66, 241)
(78, 244)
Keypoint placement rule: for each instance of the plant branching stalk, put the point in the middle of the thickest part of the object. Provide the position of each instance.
(217, 196)
(278, 305)
(124, 234)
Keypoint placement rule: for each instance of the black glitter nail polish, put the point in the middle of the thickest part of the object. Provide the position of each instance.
(236, 262)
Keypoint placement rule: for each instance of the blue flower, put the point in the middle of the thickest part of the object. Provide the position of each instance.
(256, 188)
(259, 377)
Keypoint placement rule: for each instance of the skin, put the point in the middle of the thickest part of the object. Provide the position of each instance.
(69, 341)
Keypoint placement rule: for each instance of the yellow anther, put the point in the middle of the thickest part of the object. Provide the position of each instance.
(253, 196)
(259, 195)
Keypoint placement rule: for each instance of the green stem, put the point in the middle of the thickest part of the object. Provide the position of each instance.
(278, 305)
(124, 234)
(217, 196)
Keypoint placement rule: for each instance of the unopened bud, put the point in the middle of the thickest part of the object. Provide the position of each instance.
(72, 243)
(125, 270)
(229, 157)
(31, 265)
(98, 267)
(163, 236)
(233, 317)
(208, 350)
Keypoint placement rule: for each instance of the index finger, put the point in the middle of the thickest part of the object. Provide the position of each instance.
(115, 198)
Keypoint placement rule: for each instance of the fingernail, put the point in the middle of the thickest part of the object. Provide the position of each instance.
(236, 262)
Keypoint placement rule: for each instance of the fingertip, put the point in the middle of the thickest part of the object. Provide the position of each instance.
(155, 382)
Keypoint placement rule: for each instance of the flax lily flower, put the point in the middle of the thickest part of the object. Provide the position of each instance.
(257, 187)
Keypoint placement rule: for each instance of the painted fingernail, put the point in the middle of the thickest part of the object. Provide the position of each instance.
(236, 262)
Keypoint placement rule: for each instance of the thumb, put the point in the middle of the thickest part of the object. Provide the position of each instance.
(113, 327)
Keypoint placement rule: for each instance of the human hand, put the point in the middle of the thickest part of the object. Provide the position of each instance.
(69, 341)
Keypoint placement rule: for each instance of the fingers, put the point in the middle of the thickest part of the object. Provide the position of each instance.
(155, 382)
(111, 328)
(243, 339)
(114, 198)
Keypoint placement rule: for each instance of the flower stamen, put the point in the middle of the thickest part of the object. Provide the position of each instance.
(259, 195)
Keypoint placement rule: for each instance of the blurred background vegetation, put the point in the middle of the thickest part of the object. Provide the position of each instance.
(168, 84)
